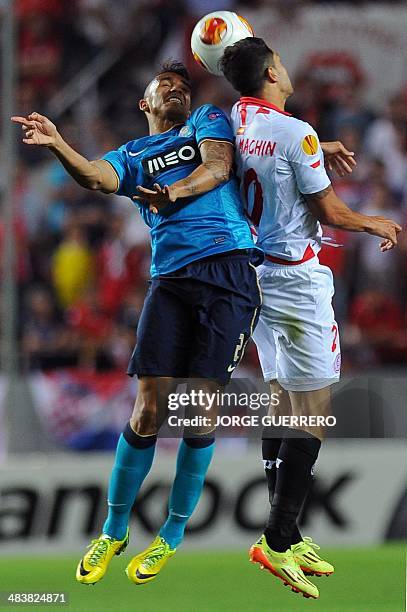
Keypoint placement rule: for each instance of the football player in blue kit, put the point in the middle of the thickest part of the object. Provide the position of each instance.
(202, 304)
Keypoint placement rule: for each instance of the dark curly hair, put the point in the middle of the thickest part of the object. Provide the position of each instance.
(171, 65)
(245, 63)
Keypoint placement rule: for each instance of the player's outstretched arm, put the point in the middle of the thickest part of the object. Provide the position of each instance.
(329, 209)
(216, 168)
(40, 131)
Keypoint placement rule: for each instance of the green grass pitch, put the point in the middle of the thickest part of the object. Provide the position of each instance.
(366, 579)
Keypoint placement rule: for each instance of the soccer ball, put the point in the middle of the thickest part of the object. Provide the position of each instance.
(213, 33)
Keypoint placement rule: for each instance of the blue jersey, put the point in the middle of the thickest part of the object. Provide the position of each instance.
(190, 228)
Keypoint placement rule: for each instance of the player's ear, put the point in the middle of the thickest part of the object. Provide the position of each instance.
(271, 74)
(143, 106)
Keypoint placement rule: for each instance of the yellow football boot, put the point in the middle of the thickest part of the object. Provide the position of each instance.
(309, 561)
(283, 566)
(144, 567)
(94, 564)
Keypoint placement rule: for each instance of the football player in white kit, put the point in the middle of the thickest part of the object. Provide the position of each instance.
(288, 193)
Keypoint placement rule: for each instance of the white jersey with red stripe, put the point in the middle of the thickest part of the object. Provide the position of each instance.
(279, 158)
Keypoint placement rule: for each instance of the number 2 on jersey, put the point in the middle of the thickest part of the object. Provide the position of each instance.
(252, 186)
(334, 330)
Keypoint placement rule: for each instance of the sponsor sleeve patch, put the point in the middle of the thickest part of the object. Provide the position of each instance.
(309, 144)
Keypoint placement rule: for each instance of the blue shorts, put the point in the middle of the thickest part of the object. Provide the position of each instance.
(196, 321)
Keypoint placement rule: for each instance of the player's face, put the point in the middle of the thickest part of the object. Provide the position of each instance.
(169, 97)
(284, 81)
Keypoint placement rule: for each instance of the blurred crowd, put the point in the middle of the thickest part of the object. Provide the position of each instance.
(83, 258)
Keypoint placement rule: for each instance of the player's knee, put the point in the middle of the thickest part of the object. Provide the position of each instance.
(143, 422)
(144, 418)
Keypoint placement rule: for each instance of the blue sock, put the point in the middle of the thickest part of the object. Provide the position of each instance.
(134, 457)
(192, 465)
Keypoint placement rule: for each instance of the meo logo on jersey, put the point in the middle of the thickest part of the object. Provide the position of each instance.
(309, 145)
(178, 157)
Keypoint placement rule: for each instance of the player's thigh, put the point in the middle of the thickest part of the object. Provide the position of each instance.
(264, 339)
(226, 318)
(163, 333)
(308, 350)
(151, 405)
(221, 334)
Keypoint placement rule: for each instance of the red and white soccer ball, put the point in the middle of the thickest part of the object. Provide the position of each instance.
(213, 33)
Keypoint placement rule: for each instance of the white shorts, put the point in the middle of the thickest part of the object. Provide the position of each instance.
(297, 336)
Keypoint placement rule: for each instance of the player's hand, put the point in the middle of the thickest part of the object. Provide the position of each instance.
(338, 158)
(38, 130)
(384, 228)
(156, 198)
